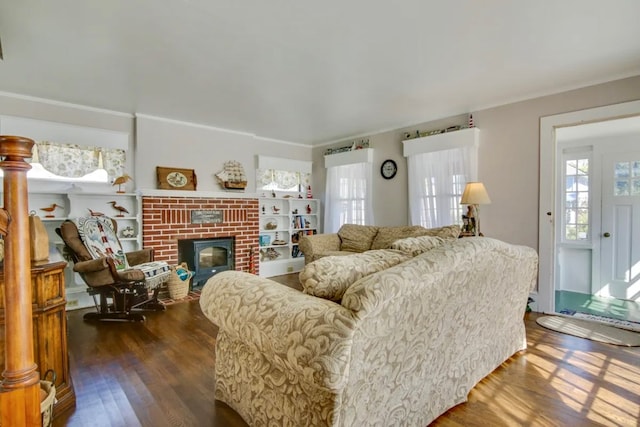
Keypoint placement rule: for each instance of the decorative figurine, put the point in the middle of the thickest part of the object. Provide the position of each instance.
(50, 210)
(232, 176)
(263, 210)
(95, 213)
(127, 232)
(308, 209)
(121, 180)
(119, 208)
(275, 209)
(309, 196)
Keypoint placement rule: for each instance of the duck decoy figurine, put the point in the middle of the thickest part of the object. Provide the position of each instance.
(275, 209)
(50, 209)
(95, 213)
(119, 208)
(119, 181)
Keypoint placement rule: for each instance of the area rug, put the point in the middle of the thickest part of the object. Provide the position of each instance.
(594, 331)
(623, 324)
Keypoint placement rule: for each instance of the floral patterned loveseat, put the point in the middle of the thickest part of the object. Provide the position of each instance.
(357, 238)
(398, 346)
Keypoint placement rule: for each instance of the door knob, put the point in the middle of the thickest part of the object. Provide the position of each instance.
(607, 234)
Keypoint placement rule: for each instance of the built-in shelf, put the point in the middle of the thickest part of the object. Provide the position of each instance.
(284, 220)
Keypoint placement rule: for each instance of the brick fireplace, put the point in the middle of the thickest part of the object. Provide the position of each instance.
(167, 219)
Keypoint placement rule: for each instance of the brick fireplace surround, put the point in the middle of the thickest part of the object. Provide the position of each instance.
(165, 220)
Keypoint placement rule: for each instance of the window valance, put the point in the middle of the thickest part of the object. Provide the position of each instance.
(74, 161)
(364, 155)
(464, 138)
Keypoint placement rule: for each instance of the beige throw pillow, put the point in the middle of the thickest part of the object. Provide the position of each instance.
(331, 276)
(446, 232)
(356, 238)
(417, 245)
(387, 235)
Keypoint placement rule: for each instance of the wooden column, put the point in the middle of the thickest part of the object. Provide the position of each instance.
(20, 387)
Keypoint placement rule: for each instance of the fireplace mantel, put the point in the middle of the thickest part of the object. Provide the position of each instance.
(197, 194)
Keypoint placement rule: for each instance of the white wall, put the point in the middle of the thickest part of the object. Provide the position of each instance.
(163, 142)
(54, 111)
(508, 153)
(508, 159)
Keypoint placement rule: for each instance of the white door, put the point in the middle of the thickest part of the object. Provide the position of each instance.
(620, 230)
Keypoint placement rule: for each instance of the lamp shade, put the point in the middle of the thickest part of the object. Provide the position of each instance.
(475, 194)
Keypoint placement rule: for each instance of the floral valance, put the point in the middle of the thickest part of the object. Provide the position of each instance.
(279, 180)
(74, 161)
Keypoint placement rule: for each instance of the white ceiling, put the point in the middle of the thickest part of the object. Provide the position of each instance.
(312, 71)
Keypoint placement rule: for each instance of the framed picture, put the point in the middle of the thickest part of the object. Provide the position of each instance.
(176, 178)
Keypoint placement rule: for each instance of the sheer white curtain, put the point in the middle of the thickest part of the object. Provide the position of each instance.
(348, 199)
(436, 183)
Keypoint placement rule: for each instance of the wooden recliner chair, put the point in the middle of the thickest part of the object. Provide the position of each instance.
(122, 285)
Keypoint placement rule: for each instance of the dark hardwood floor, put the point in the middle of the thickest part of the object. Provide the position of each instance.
(160, 373)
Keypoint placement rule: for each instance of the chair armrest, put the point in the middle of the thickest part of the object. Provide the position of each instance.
(91, 266)
(308, 336)
(313, 246)
(97, 272)
(139, 257)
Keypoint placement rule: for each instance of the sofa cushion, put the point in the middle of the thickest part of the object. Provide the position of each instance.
(331, 276)
(357, 238)
(446, 232)
(387, 235)
(417, 245)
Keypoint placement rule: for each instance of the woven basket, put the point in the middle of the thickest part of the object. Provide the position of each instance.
(178, 288)
(47, 399)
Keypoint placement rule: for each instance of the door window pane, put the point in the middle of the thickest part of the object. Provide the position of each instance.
(576, 199)
(626, 178)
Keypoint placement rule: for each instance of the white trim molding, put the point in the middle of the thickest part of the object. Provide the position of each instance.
(548, 181)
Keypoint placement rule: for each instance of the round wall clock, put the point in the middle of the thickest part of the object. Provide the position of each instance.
(388, 169)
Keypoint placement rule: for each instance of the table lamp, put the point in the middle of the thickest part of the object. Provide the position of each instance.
(475, 195)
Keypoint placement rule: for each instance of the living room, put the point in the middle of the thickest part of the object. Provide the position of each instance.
(509, 146)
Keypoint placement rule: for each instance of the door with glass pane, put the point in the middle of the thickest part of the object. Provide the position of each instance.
(620, 231)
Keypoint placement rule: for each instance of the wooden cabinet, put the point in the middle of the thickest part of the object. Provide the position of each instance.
(49, 325)
(282, 222)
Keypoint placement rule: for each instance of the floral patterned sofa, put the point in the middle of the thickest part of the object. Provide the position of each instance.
(359, 238)
(398, 346)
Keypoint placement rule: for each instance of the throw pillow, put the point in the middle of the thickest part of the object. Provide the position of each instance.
(387, 235)
(99, 237)
(446, 232)
(357, 238)
(417, 245)
(331, 276)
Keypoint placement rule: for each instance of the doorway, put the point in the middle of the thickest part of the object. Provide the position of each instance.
(576, 265)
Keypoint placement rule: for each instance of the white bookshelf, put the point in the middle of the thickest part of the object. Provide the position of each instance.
(282, 221)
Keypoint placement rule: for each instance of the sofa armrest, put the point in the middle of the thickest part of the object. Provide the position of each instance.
(313, 246)
(298, 333)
